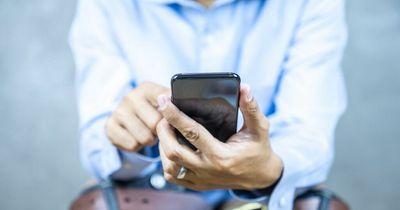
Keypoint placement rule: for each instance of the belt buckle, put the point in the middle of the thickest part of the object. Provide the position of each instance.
(252, 206)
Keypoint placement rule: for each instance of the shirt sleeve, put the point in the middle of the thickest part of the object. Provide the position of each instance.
(103, 77)
(309, 100)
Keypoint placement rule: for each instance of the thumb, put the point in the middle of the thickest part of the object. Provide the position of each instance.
(254, 120)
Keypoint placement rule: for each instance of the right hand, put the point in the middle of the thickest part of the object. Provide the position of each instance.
(133, 124)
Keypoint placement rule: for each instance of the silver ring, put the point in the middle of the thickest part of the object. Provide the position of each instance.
(182, 173)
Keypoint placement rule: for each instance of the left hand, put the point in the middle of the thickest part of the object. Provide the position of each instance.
(246, 161)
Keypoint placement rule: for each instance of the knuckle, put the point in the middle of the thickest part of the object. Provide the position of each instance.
(252, 108)
(160, 126)
(129, 98)
(264, 125)
(172, 116)
(110, 130)
(169, 170)
(126, 98)
(138, 110)
(149, 141)
(173, 154)
(191, 133)
(114, 141)
(109, 124)
(146, 136)
(153, 122)
(228, 165)
(146, 84)
(231, 169)
(235, 171)
(119, 114)
(223, 164)
(132, 146)
(117, 143)
(168, 177)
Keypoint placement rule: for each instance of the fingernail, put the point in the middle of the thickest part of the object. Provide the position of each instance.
(162, 101)
(247, 91)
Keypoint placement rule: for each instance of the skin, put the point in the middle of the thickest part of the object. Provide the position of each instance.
(147, 112)
(217, 165)
(133, 124)
(206, 3)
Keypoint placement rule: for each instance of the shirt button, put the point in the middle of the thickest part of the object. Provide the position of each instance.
(282, 202)
(157, 181)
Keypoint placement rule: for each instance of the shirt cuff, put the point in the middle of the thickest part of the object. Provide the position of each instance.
(283, 193)
(103, 160)
(256, 195)
(135, 165)
(98, 155)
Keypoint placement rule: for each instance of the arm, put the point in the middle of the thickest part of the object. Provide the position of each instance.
(310, 99)
(103, 79)
(308, 102)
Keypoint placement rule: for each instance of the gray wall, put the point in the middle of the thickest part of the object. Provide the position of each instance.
(367, 167)
(38, 129)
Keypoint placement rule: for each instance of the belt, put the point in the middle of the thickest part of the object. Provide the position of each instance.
(133, 195)
(154, 193)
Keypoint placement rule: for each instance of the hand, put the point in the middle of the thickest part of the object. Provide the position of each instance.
(217, 115)
(245, 161)
(133, 124)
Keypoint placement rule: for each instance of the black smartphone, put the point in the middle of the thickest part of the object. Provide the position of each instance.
(211, 99)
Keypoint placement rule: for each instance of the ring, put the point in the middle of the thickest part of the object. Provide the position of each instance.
(182, 173)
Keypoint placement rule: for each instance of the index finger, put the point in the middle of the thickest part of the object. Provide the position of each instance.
(173, 150)
(194, 132)
(154, 91)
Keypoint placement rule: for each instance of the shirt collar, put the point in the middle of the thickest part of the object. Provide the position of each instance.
(217, 3)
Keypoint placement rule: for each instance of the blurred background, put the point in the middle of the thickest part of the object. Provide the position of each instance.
(39, 158)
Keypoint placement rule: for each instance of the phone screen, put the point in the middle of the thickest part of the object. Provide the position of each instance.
(210, 99)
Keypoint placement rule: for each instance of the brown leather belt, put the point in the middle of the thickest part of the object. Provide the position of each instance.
(125, 198)
(109, 196)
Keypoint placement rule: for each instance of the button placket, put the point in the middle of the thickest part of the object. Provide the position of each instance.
(207, 44)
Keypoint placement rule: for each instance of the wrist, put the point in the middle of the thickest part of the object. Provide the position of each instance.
(271, 172)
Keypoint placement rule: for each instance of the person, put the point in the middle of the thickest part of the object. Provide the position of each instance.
(288, 52)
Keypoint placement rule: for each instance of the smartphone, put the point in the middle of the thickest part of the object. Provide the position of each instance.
(211, 99)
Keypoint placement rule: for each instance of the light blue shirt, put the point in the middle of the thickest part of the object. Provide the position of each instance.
(289, 51)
